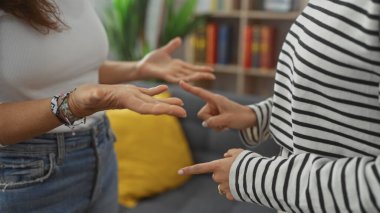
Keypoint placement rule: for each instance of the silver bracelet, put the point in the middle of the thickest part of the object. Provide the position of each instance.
(60, 108)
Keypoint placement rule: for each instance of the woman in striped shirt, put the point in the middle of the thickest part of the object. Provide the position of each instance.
(325, 115)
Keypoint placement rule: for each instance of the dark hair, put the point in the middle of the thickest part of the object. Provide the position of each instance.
(43, 15)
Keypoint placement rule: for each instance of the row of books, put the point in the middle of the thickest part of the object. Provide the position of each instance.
(218, 44)
(205, 6)
(215, 44)
(275, 5)
(259, 47)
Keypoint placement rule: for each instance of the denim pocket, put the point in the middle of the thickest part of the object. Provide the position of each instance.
(21, 171)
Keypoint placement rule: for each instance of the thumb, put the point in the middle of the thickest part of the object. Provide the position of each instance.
(216, 122)
(172, 45)
(154, 90)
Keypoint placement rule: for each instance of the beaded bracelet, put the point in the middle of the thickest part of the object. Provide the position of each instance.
(60, 108)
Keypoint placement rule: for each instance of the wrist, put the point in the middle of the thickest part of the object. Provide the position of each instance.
(249, 116)
(87, 99)
(61, 109)
(138, 69)
(133, 71)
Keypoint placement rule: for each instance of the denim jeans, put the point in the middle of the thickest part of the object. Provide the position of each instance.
(61, 172)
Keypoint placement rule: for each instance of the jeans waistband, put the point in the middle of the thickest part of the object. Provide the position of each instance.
(68, 141)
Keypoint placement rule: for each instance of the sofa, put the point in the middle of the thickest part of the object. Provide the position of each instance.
(199, 194)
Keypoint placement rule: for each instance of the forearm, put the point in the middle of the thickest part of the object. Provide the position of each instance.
(308, 182)
(25, 120)
(115, 72)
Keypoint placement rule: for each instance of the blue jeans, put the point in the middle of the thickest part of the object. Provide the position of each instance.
(60, 173)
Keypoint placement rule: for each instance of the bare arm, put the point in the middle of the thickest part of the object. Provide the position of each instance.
(115, 72)
(158, 64)
(23, 120)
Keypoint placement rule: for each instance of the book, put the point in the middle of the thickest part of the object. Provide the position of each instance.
(278, 5)
(247, 47)
(229, 5)
(199, 44)
(267, 58)
(211, 40)
(204, 6)
(256, 46)
(224, 44)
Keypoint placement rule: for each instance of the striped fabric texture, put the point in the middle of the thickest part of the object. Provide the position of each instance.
(325, 115)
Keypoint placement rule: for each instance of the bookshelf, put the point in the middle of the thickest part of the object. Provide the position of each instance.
(235, 76)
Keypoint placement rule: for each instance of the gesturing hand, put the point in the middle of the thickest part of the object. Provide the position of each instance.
(159, 64)
(219, 112)
(92, 98)
(220, 170)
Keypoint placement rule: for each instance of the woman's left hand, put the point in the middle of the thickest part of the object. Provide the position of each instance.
(159, 64)
(220, 170)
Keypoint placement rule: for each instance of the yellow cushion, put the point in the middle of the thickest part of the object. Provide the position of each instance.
(150, 149)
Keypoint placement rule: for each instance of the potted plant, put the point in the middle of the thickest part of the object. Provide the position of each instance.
(125, 22)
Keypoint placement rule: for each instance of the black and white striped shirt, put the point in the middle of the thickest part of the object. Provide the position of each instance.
(325, 114)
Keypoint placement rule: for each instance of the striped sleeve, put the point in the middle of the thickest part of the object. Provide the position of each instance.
(254, 135)
(307, 183)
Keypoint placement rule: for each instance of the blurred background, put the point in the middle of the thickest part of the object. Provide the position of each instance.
(240, 38)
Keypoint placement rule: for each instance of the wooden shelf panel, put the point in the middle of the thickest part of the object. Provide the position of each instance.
(268, 73)
(223, 14)
(228, 69)
(268, 15)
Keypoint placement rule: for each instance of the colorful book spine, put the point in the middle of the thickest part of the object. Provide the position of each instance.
(267, 58)
(211, 43)
(199, 44)
(256, 46)
(224, 42)
(247, 47)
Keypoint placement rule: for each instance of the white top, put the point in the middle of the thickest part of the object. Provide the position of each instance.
(36, 66)
(325, 115)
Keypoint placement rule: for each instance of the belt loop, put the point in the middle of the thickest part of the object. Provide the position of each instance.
(61, 148)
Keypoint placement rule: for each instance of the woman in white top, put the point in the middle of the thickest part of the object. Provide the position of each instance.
(56, 151)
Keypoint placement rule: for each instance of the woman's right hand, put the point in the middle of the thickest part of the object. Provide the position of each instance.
(88, 99)
(220, 113)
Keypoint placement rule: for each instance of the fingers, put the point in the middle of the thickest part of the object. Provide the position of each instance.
(172, 45)
(172, 101)
(232, 152)
(199, 76)
(202, 93)
(195, 68)
(216, 122)
(201, 168)
(159, 108)
(224, 188)
(205, 113)
(154, 90)
(229, 196)
(189, 76)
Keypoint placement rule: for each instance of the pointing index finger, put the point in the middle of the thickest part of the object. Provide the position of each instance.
(202, 93)
(201, 168)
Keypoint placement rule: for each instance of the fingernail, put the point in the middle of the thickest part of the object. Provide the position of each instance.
(181, 172)
(204, 124)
